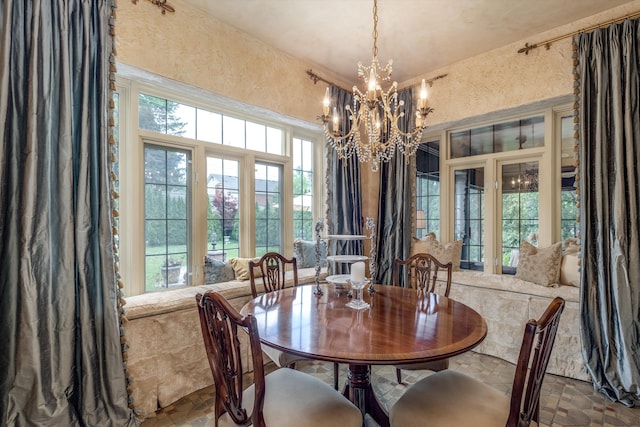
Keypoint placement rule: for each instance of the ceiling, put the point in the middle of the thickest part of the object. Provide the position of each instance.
(419, 35)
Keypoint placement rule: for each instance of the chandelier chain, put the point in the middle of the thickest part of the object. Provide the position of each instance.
(375, 28)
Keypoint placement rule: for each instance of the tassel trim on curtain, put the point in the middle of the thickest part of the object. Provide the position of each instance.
(115, 214)
(576, 128)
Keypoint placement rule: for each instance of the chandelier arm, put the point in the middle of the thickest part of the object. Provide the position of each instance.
(412, 133)
(339, 138)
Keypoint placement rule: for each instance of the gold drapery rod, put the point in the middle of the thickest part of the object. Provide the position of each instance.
(547, 44)
(162, 4)
(313, 76)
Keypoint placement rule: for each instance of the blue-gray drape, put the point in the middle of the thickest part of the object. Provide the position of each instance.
(394, 203)
(61, 359)
(344, 198)
(609, 135)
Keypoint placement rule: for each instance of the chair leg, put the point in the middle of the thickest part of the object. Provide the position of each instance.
(399, 375)
(336, 368)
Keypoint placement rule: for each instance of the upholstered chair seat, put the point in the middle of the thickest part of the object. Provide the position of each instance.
(295, 399)
(449, 398)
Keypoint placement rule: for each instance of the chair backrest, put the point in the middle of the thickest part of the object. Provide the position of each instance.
(535, 352)
(424, 273)
(219, 322)
(273, 268)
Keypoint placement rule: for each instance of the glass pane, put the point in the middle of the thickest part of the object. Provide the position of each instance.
(233, 132)
(428, 189)
(507, 136)
(519, 211)
(261, 178)
(256, 136)
(176, 202)
(155, 165)
(460, 144)
(303, 189)
(224, 203)
(181, 120)
(209, 126)
(152, 113)
(296, 150)
(469, 216)
(268, 202)
(176, 168)
(155, 201)
(275, 140)
(167, 217)
(482, 140)
(307, 155)
(532, 132)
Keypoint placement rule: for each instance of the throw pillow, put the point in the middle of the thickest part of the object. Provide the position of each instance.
(571, 246)
(241, 268)
(447, 252)
(570, 269)
(216, 271)
(540, 265)
(305, 253)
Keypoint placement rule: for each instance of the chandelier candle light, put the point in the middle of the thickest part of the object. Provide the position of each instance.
(374, 134)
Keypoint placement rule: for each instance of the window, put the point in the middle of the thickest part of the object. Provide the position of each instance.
(469, 208)
(303, 227)
(498, 138)
(172, 118)
(223, 208)
(428, 189)
(509, 182)
(205, 181)
(268, 198)
(167, 216)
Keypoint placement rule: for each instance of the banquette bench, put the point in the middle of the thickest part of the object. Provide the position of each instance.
(166, 358)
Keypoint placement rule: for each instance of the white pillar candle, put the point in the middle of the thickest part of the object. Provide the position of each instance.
(357, 272)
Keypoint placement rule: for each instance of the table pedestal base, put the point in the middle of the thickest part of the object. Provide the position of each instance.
(359, 391)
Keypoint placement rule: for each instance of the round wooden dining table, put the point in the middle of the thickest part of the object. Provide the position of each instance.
(401, 326)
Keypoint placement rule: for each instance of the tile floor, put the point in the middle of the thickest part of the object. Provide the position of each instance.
(564, 402)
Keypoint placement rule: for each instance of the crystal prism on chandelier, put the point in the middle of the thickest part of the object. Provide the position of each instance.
(374, 134)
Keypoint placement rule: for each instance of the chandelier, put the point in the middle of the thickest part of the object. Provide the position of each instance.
(374, 134)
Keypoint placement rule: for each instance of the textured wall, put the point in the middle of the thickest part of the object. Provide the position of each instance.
(193, 48)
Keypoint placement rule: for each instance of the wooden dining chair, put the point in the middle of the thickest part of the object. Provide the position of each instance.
(424, 273)
(283, 398)
(450, 398)
(273, 268)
